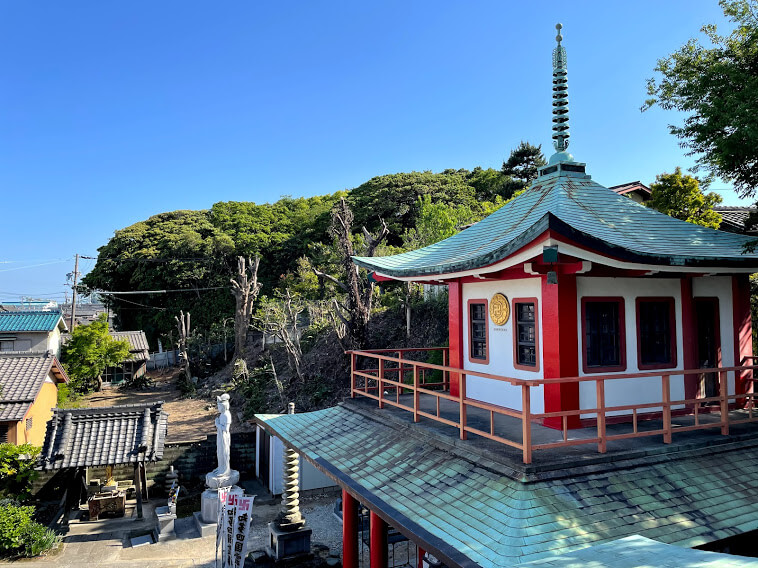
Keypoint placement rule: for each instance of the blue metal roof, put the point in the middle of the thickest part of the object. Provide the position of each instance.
(577, 207)
(29, 321)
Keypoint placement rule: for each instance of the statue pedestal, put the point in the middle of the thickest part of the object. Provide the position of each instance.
(285, 545)
(215, 481)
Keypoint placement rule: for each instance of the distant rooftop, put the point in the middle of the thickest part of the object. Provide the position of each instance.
(30, 320)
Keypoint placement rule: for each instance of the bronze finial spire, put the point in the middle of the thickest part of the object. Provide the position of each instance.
(560, 96)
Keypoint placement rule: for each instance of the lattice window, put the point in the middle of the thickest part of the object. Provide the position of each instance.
(478, 327)
(526, 334)
(603, 334)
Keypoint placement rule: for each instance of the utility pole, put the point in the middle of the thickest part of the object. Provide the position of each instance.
(73, 294)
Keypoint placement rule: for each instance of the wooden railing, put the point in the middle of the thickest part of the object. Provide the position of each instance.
(389, 375)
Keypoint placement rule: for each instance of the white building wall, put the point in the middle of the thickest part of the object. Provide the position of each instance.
(500, 346)
(630, 391)
(641, 391)
(720, 287)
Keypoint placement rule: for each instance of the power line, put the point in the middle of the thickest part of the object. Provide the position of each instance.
(34, 265)
(112, 293)
(138, 304)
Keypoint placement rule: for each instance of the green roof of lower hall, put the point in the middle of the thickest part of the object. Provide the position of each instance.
(468, 513)
(584, 211)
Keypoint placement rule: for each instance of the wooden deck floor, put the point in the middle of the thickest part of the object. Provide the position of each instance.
(554, 459)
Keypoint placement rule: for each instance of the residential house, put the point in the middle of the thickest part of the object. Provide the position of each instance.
(598, 384)
(29, 382)
(135, 365)
(31, 331)
(635, 190)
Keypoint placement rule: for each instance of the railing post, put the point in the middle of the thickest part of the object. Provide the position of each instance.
(462, 405)
(381, 386)
(724, 402)
(353, 357)
(600, 389)
(445, 374)
(666, 409)
(415, 393)
(526, 423)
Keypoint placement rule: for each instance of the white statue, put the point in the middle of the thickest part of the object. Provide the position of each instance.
(223, 437)
(223, 475)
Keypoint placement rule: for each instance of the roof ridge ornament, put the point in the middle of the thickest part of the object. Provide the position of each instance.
(560, 102)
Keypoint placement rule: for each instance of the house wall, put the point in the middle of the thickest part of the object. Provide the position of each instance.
(54, 342)
(40, 412)
(640, 391)
(500, 346)
(37, 340)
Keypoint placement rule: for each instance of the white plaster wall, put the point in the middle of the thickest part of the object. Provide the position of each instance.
(54, 342)
(500, 346)
(720, 287)
(630, 391)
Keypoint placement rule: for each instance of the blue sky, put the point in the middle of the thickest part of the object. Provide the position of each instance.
(114, 111)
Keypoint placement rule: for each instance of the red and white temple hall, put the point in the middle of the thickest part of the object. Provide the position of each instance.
(597, 385)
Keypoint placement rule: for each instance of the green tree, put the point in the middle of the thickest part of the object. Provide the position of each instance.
(716, 87)
(522, 165)
(679, 196)
(177, 250)
(17, 473)
(89, 351)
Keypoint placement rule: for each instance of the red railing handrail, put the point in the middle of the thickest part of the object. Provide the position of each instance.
(526, 416)
(538, 382)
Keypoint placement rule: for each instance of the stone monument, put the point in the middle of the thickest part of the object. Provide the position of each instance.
(288, 535)
(223, 475)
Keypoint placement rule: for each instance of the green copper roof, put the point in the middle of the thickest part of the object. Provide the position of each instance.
(471, 514)
(29, 321)
(636, 551)
(583, 210)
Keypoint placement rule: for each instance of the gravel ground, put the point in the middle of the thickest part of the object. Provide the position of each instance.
(318, 512)
(327, 530)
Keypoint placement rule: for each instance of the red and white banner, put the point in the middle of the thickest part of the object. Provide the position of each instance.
(235, 510)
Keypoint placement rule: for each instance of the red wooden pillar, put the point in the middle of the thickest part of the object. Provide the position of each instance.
(378, 543)
(455, 323)
(689, 338)
(349, 531)
(743, 330)
(420, 561)
(560, 347)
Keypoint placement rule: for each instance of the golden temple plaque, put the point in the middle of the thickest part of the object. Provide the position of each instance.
(500, 309)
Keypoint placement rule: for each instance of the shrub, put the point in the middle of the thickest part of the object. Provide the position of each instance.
(37, 539)
(19, 533)
(13, 523)
(17, 469)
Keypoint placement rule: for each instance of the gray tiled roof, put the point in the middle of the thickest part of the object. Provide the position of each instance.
(583, 211)
(140, 351)
(473, 514)
(22, 375)
(734, 218)
(110, 435)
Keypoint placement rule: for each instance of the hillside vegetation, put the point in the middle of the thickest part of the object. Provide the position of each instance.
(193, 254)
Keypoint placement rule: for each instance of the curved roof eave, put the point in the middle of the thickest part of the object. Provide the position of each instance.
(550, 221)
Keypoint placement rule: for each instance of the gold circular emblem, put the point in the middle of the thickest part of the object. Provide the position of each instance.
(500, 309)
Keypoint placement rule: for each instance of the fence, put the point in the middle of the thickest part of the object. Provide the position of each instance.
(400, 382)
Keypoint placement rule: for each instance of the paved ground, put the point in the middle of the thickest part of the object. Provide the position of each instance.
(106, 542)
